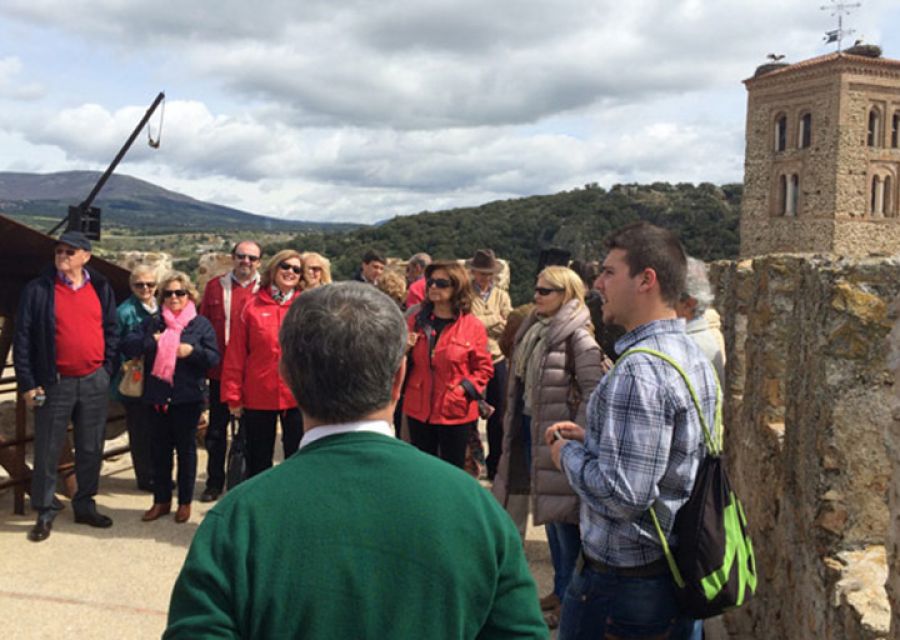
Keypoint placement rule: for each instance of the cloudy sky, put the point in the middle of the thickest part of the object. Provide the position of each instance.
(358, 110)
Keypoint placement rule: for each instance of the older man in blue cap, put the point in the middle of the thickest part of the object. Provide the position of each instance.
(65, 347)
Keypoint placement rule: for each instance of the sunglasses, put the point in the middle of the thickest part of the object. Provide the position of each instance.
(144, 285)
(440, 283)
(66, 250)
(315, 269)
(546, 291)
(246, 256)
(284, 266)
(168, 293)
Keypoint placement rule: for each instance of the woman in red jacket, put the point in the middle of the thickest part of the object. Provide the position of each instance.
(251, 384)
(449, 365)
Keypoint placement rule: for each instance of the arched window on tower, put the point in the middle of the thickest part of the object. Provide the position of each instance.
(793, 195)
(887, 206)
(781, 133)
(876, 197)
(804, 138)
(782, 194)
(895, 130)
(873, 139)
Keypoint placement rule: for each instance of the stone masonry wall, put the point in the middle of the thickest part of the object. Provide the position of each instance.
(809, 428)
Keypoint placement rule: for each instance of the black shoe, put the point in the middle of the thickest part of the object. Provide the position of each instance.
(94, 519)
(40, 531)
(210, 495)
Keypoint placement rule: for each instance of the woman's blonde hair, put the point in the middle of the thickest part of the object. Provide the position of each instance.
(140, 270)
(565, 279)
(394, 285)
(326, 266)
(182, 278)
(268, 276)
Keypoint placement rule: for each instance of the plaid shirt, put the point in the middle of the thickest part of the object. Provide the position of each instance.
(643, 445)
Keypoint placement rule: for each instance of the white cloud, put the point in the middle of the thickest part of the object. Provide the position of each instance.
(361, 110)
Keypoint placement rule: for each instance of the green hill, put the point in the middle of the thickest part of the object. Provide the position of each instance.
(131, 205)
(705, 217)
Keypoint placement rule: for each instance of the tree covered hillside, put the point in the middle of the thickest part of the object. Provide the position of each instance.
(704, 216)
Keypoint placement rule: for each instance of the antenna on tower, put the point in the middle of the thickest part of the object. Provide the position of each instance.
(840, 9)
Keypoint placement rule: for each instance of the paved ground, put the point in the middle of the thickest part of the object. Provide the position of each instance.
(114, 583)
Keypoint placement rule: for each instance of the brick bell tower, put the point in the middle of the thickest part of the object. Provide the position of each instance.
(823, 156)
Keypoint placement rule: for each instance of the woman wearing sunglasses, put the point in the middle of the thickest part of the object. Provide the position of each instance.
(251, 384)
(316, 270)
(449, 365)
(555, 366)
(139, 306)
(178, 346)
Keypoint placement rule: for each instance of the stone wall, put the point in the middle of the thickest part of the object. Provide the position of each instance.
(809, 431)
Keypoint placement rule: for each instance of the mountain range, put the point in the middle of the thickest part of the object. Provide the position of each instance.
(127, 202)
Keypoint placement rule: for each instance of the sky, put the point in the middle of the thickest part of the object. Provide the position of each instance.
(359, 111)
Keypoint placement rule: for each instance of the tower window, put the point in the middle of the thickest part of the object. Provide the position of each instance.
(782, 194)
(876, 198)
(805, 136)
(781, 133)
(895, 130)
(793, 195)
(887, 205)
(874, 133)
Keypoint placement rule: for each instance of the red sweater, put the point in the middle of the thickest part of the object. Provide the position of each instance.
(80, 344)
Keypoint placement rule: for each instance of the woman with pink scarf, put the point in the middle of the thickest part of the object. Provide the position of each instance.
(178, 347)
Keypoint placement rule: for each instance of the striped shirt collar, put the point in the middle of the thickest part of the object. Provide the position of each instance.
(85, 278)
(373, 426)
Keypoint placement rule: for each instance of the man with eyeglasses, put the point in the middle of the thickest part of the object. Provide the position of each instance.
(223, 299)
(65, 350)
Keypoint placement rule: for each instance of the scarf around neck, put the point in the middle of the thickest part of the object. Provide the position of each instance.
(167, 346)
(528, 358)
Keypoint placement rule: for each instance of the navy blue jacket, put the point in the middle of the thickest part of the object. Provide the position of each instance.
(189, 382)
(34, 342)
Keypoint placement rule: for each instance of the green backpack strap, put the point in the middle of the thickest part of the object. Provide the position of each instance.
(713, 443)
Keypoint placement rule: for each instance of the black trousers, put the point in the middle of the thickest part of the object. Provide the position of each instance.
(140, 441)
(446, 441)
(495, 394)
(216, 440)
(259, 427)
(174, 427)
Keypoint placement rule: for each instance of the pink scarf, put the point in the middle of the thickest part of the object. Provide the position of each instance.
(167, 346)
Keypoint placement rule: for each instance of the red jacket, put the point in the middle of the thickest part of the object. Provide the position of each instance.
(212, 307)
(433, 393)
(250, 377)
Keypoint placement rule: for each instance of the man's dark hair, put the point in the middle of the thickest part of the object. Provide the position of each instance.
(240, 242)
(373, 256)
(341, 345)
(647, 246)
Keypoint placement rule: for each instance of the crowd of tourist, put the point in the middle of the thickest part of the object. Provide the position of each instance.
(528, 373)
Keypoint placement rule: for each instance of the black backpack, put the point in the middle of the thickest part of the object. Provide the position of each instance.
(714, 567)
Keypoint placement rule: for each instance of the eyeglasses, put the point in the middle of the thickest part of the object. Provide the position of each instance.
(315, 269)
(546, 291)
(66, 250)
(246, 256)
(168, 293)
(440, 283)
(144, 285)
(284, 266)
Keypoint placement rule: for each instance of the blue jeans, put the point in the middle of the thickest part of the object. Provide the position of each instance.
(565, 547)
(621, 606)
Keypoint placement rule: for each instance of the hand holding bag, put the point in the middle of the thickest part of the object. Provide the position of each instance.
(236, 466)
(132, 383)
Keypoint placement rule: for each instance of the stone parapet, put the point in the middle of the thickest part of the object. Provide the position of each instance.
(810, 440)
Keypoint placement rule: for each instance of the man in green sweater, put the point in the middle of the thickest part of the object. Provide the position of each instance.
(358, 535)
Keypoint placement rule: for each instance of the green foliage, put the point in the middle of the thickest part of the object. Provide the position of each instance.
(705, 217)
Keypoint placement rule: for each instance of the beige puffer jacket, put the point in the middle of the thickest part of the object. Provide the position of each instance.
(558, 397)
